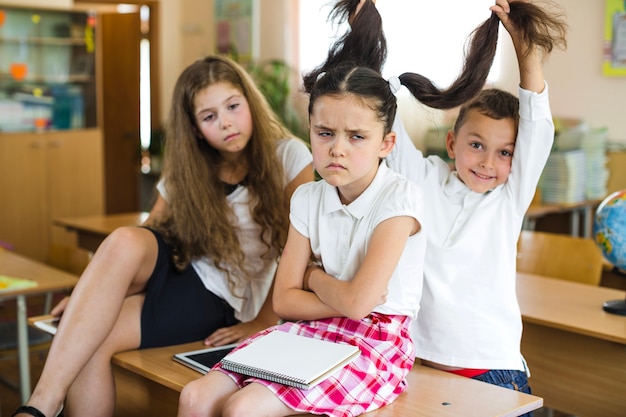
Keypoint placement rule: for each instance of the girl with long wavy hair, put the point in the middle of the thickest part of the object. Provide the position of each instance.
(202, 266)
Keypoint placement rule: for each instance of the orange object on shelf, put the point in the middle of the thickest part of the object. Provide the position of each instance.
(18, 70)
(41, 123)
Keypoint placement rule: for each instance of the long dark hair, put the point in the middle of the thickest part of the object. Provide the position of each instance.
(365, 45)
(361, 82)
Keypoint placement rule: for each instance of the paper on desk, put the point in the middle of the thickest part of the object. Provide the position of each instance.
(8, 283)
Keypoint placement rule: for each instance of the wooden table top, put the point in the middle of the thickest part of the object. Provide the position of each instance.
(435, 393)
(47, 277)
(541, 209)
(102, 224)
(570, 306)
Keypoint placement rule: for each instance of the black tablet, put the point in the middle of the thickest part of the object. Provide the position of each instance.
(203, 360)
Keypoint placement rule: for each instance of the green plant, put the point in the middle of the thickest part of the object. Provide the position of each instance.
(273, 79)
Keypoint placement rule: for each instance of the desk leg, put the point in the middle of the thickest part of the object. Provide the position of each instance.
(22, 345)
(48, 303)
(529, 223)
(575, 231)
(588, 221)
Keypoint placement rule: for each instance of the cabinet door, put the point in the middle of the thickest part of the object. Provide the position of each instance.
(75, 173)
(24, 221)
(75, 183)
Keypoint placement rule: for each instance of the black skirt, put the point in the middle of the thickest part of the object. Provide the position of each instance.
(177, 307)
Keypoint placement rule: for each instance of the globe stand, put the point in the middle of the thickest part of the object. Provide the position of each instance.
(616, 306)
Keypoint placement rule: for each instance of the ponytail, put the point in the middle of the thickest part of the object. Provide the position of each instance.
(365, 45)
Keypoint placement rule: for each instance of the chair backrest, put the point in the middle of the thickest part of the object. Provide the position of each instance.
(559, 256)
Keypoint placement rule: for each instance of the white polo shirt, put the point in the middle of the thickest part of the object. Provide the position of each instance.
(294, 156)
(339, 234)
(469, 313)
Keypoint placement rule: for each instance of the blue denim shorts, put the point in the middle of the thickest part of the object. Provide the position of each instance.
(515, 380)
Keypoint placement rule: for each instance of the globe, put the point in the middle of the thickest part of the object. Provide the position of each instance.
(609, 231)
(609, 228)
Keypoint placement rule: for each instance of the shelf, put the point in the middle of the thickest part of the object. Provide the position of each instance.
(39, 79)
(44, 41)
(47, 70)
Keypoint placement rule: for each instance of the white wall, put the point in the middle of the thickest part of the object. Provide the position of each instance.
(581, 90)
(171, 63)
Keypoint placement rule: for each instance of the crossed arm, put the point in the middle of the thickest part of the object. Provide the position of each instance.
(306, 292)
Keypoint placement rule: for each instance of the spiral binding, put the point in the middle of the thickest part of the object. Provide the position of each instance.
(263, 374)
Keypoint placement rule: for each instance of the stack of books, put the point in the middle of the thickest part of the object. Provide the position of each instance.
(577, 168)
(563, 178)
(594, 144)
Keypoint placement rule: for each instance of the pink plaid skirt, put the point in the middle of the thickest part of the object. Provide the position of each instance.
(371, 381)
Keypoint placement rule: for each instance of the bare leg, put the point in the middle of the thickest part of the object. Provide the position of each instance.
(216, 395)
(206, 396)
(93, 391)
(101, 319)
(257, 400)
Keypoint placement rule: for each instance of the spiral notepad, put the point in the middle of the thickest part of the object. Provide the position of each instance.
(290, 359)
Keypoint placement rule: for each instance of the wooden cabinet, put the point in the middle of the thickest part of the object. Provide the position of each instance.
(51, 141)
(45, 176)
(69, 166)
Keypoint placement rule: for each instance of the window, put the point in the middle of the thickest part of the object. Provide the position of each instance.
(424, 37)
(145, 124)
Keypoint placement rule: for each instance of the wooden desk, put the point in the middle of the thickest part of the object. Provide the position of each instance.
(431, 392)
(91, 230)
(575, 350)
(584, 208)
(48, 280)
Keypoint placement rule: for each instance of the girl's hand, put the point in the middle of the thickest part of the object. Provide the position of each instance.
(383, 297)
(58, 309)
(307, 275)
(314, 266)
(234, 334)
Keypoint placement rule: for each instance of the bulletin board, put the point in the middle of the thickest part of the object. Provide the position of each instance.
(615, 38)
(234, 28)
